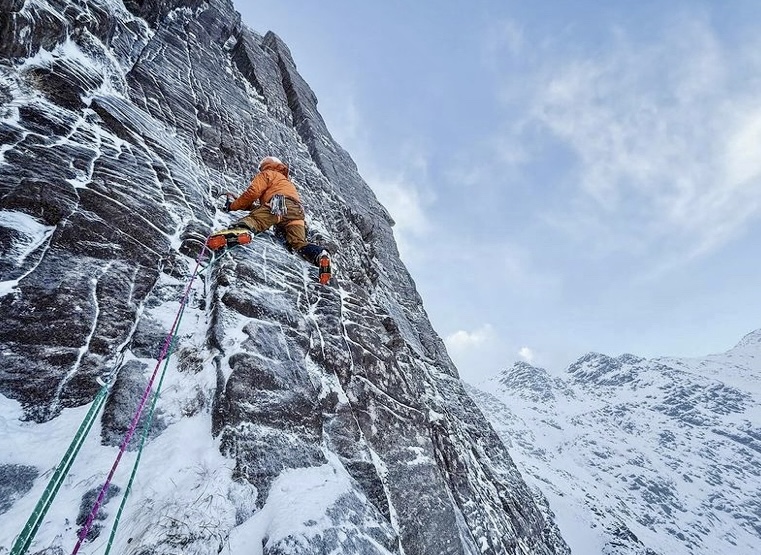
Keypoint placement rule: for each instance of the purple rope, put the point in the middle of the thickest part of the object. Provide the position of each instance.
(133, 425)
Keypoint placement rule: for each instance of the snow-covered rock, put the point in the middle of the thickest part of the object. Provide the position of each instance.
(641, 456)
(294, 418)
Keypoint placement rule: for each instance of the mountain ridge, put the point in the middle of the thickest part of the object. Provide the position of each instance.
(640, 455)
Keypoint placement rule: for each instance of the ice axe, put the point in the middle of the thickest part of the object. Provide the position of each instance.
(229, 198)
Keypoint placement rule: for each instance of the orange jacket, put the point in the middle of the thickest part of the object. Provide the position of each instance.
(270, 181)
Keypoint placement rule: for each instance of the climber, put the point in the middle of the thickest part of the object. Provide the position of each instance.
(273, 201)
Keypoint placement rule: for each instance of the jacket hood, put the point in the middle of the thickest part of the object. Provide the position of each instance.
(272, 163)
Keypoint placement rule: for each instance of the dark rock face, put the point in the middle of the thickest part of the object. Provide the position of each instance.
(602, 370)
(126, 392)
(16, 481)
(88, 499)
(119, 127)
(531, 383)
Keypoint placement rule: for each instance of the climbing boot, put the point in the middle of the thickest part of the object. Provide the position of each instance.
(323, 263)
(229, 238)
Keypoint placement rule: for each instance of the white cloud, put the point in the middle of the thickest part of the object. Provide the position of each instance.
(503, 35)
(407, 202)
(346, 124)
(404, 192)
(462, 340)
(477, 353)
(526, 354)
(483, 351)
(665, 137)
(401, 187)
(743, 148)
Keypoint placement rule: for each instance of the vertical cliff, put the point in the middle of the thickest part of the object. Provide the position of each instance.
(296, 418)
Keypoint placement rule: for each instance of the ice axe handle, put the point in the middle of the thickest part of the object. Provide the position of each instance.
(229, 197)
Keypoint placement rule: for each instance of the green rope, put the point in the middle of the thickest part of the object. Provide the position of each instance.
(38, 514)
(27, 534)
(146, 429)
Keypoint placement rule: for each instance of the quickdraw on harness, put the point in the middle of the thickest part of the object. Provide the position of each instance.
(277, 207)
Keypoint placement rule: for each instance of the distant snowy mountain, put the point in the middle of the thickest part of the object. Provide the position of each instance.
(641, 456)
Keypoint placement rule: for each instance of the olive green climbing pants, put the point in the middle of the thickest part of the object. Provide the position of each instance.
(292, 223)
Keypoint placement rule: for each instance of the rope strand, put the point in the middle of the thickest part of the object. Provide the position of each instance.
(143, 437)
(29, 531)
(133, 425)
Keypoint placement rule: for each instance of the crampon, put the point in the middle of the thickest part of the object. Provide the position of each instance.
(228, 238)
(324, 265)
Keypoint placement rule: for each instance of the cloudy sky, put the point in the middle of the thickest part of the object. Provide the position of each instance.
(566, 176)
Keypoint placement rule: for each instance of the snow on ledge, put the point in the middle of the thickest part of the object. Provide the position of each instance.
(32, 235)
(298, 503)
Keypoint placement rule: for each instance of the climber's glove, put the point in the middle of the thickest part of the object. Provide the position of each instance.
(229, 198)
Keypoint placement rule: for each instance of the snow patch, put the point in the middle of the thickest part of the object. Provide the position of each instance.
(26, 224)
(31, 235)
(67, 49)
(99, 62)
(297, 504)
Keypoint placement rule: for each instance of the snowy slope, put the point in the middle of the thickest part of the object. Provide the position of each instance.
(641, 456)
